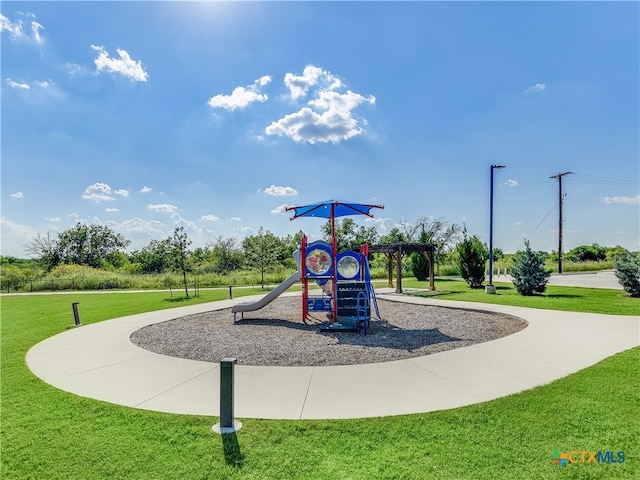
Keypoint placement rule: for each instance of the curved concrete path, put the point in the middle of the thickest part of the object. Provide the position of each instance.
(98, 361)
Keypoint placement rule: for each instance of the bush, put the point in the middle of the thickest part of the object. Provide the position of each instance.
(587, 253)
(627, 269)
(471, 258)
(420, 266)
(528, 272)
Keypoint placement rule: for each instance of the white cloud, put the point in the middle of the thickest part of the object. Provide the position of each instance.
(145, 189)
(23, 86)
(15, 228)
(17, 195)
(383, 224)
(264, 80)
(112, 210)
(98, 192)
(234, 219)
(16, 28)
(308, 126)
(328, 117)
(538, 87)
(210, 218)
(622, 200)
(281, 209)
(75, 69)
(124, 65)
(241, 96)
(162, 207)
(280, 191)
(122, 192)
(345, 102)
(138, 225)
(180, 220)
(299, 85)
(511, 183)
(54, 219)
(244, 231)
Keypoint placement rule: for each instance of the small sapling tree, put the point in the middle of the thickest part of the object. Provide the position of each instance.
(471, 258)
(528, 272)
(178, 252)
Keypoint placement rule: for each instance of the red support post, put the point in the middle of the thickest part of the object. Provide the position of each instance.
(334, 287)
(305, 281)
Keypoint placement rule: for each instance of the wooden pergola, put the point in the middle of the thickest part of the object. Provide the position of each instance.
(395, 251)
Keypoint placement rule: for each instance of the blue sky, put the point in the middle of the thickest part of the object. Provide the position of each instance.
(144, 116)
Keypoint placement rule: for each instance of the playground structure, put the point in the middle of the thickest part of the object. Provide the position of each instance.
(344, 278)
(350, 279)
(346, 291)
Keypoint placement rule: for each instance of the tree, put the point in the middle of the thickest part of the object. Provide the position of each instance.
(627, 269)
(614, 252)
(262, 251)
(350, 236)
(291, 243)
(81, 245)
(587, 253)
(528, 272)
(225, 254)
(45, 249)
(434, 231)
(153, 258)
(178, 253)
(471, 258)
(394, 236)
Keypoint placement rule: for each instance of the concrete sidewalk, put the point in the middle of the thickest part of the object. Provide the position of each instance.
(98, 361)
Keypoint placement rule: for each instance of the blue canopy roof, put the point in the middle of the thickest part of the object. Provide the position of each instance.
(325, 210)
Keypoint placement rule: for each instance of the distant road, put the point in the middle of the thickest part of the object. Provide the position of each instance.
(602, 279)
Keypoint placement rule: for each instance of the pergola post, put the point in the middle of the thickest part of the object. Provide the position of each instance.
(430, 255)
(399, 269)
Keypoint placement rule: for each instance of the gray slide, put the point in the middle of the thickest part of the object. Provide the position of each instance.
(272, 295)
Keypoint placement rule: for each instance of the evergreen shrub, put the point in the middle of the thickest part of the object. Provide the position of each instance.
(528, 271)
(627, 269)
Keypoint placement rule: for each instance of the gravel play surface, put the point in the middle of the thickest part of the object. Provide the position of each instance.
(276, 336)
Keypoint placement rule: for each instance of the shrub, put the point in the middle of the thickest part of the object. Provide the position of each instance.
(419, 266)
(627, 269)
(528, 272)
(587, 253)
(471, 258)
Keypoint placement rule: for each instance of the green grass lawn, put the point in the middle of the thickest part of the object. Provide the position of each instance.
(50, 434)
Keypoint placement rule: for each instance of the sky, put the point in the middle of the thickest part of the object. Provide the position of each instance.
(215, 116)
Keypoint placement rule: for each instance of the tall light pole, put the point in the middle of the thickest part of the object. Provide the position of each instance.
(490, 288)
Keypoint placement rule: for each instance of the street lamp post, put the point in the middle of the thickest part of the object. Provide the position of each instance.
(490, 288)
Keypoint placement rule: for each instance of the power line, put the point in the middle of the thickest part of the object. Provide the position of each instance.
(617, 182)
(611, 204)
(545, 217)
(533, 211)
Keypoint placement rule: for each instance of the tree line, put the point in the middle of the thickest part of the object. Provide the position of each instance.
(100, 247)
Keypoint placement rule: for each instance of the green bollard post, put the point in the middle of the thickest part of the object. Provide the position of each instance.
(227, 423)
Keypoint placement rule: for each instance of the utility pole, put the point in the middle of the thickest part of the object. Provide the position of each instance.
(560, 253)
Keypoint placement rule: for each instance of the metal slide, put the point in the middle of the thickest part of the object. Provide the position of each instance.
(272, 295)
